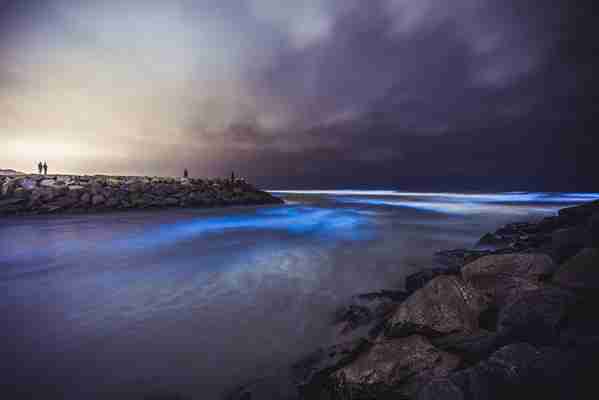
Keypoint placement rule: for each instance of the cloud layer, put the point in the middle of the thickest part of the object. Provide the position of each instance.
(318, 93)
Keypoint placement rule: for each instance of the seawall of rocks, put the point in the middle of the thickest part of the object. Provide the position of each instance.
(514, 317)
(41, 194)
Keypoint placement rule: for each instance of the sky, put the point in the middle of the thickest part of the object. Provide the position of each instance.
(312, 94)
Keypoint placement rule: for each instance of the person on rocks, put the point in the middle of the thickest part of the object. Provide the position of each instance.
(232, 176)
(40, 167)
(45, 168)
(185, 173)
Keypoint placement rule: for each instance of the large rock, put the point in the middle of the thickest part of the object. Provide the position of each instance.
(419, 279)
(502, 276)
(98, 199)
(368, 310)
(312, 373)
(8, 187)
(28, 184)
(471, 346)
(535, 316)
(580, 271)
(399, 366)
(441, 389)
(581, 212)
(498, 377)
(445, 305)
(568, 241)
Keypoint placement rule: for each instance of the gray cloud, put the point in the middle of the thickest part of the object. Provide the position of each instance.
(294, 94)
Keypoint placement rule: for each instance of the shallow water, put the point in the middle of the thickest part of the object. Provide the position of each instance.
(195, 302)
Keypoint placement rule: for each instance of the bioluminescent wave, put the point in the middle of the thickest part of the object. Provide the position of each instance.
(464, 208)
(509, 203)
(508, 197)
(321, 222)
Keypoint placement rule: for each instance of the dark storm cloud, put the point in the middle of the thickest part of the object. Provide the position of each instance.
(320, 93)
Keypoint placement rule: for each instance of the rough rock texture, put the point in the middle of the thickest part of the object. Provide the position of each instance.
(503, 276)
(399, 365)
(499, 376)
(568, 241)
(581, 271)
(441, 389)
(313, 372)
(36, 194)
(581, 212)
(368, 310)
(445, 305)
(535, 316)
(520, 326)
(471, 346)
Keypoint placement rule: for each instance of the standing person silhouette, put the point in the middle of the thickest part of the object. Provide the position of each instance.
(45, 168)
(39, 167)
(185, 173)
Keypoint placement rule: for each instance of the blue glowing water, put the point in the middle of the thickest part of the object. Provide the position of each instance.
(196, 301)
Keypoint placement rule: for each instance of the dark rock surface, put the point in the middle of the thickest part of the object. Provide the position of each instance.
(40, 194)
(445, 305)
(502, 276)
(535, 316)
(399, 366)
(581, 271)
(515, 320)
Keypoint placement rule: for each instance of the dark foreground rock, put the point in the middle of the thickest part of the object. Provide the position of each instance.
(502, 276)
(42, 194)
(580, 272)
(398, 367)
(516, 320)
(445, 305)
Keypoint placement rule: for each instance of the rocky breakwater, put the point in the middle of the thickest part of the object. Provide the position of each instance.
(513, 318)
(41, 194)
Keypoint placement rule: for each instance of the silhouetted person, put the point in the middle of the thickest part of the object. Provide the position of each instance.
(45, 168)
(232, 176)
(186, 173)
(40, 167)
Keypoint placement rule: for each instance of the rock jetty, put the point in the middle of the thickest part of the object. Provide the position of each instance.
(514, 317)
(42, 194)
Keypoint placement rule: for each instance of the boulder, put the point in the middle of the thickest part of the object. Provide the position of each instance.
(8, 187)
(580, 272)
(455, 259)
(568, 241)
(28, 184)
(48, 183)
(493, 239)
(368, 310)
(502, 376)
(98, 199)
(581, 212)
(535, 316)
(419, 279)
(400, 366)
(471, 346)
(502, 276)
(85, 198)
(63, 202)
(312, 373)
(441, 389)
(445, 305)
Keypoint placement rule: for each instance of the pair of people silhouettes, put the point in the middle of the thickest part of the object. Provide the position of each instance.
(42, 167)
